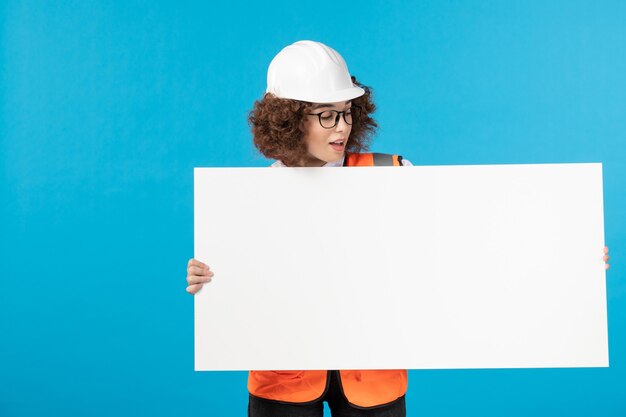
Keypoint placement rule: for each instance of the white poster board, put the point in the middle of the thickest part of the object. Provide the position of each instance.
(488, 266)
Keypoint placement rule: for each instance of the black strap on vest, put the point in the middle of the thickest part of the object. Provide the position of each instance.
(382, 159)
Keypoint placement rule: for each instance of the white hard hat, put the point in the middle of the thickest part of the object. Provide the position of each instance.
(311, 71)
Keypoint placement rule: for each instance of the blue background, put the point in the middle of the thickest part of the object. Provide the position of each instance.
(108, 106)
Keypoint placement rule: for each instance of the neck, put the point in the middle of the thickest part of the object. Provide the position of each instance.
(313, 162)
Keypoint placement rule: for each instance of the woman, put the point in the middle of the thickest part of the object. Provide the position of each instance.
(315, 114)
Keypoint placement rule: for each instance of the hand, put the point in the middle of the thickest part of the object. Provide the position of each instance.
(606, 258)
(198, 274)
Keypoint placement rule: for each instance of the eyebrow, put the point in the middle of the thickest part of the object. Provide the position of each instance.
(317, 106)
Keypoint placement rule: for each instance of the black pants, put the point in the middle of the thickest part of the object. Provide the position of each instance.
(337, 402)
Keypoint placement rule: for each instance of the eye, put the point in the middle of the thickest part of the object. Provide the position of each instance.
(327, 115)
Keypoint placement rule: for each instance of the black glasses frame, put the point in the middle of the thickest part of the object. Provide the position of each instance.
(354, 110)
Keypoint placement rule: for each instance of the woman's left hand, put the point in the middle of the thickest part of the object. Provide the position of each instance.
(606, 258)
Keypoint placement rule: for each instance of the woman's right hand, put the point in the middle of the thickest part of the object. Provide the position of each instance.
(198, 274)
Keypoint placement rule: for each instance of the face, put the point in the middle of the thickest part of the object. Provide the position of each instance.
(326, 145)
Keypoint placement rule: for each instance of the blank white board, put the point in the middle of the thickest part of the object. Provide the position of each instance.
(488, 266)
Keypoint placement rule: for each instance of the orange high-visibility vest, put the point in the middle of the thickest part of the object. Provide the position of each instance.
(362, 388)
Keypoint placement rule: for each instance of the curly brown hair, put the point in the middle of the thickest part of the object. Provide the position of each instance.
(278, 126)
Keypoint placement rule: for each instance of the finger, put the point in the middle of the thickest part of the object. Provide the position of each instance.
(196, 270)
(606, 258)
(192, 289)
(606, 249)
(195, 262)
(606, 266)
(197, 279)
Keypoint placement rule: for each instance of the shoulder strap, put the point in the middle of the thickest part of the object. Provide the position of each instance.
(372, 159)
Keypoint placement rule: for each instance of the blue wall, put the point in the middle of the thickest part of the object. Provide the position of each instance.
(106, 107)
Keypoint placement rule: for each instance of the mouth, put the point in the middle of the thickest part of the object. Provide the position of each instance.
(338, 145)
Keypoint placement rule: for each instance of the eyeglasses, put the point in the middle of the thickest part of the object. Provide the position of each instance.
(329, 118)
